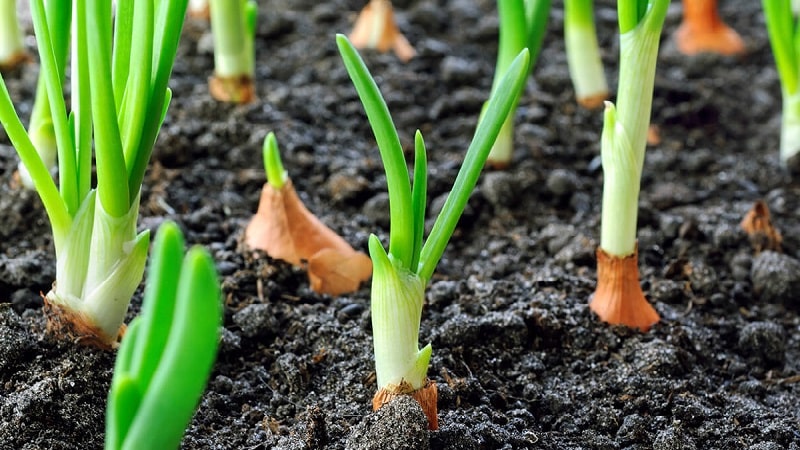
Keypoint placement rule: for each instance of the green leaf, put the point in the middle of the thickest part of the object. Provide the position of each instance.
(187, 359)
(68, 184)
(112, 188)
(499, 104)
(158, 310)
(419, 193)
(56, 209)
(276, 175)
(125, 395)
(401, 234)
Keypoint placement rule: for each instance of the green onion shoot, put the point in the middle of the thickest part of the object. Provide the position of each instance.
(522, 25)
(784, 34)
(285, 229)
(233, 24)
(618, 298)
(401, 274)
(167, 354)
(12, 50)
(583, 54)
(40, 127)
(119, 100)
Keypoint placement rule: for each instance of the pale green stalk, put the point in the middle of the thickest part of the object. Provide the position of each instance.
(583, 52)
(783, 27)
(11, 46)
(625, 126)
(233, 24)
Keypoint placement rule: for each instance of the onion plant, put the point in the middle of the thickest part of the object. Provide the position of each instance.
(401, 274)
(40, 127)
(233, 24)
(119, 100)
(583, 53)
(12, 51)
(522, 25)
(167, 354)
(619, 298)
(783, 27)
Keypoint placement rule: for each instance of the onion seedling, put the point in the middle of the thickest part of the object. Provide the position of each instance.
(12, 51)
(583, 54)
(167, 354)
(618, 298)
(285, 229)
(40, 127)
(703, 31)
(522, 25)
(783, 27)
(233, 24)
(119, 100)
(376, 28)
(401, 274)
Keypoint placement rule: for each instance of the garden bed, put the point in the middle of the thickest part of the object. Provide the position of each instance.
(519, 359)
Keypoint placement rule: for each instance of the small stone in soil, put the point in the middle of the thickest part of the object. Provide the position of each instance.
(15, 340)
(776, 278)
(672, 439)
(562, 182)
(256, 320)
(459, 70)
(764, 341)
(499, 189)
(399, 425)
(377, 209)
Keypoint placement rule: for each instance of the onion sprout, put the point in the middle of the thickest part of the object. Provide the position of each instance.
(167, 354)
(119, 100)
(619, 298)
(401, 274)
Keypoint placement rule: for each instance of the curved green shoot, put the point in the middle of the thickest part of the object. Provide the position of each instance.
(166, 357)
(276, 174)
(625, 128)
(783, 27)
(401, 274)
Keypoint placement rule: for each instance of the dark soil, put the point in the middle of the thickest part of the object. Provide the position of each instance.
(519, 359)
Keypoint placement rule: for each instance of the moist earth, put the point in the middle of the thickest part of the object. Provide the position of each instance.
(519, 359)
